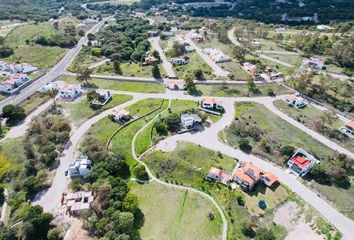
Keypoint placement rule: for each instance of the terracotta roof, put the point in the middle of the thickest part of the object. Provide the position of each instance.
(301, 161)
(214, 171)
(270, 178)
(350, 124)
(210, 100)
(257, 171)
(292, 97)
(244, 177)
(120, 112)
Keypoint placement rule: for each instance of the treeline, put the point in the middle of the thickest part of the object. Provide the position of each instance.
(107, 7)
(67, 39)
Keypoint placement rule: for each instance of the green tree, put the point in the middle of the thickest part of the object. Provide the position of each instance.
(116, 67)
(189, 82)
(84, 75)
(13, 113)
(156, 71)
(265, 234)
(141, 173)
(244, 145)
(198, 73)
(130, 203)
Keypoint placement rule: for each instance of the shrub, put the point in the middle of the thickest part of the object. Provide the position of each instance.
(265, 234)
(141, 173)
(244, 145)
(14, 114)
(287, 151)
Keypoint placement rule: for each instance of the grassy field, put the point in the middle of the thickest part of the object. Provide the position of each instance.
(33, 102)
(80, 110)
(40, 56)
(195, 62)
(128, 69)
(307, 116)
(275, 131)
(130, 86)
(293, 60)
(239, 90)
(178, 215)
(12, 154)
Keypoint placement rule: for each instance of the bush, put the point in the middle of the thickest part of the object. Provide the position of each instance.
(14, 114)
(265, 234)
(240, 199)
(141, 173)
(161, 128)
(287, 151)
(244, 145)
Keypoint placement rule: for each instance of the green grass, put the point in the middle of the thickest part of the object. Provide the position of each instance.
(195, 62)
(178, 214)
(12, 154)
(292, 59)
(275, 131)
(80, 110)
(130, 86)
(307, 115)
(239, 90)
(33, 102)
(235, 68)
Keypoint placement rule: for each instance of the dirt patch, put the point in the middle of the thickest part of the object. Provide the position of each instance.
(291, 217)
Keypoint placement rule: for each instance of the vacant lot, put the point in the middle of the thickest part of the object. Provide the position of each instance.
(129, 86)
(195, 62)
(178, 214)
(240, 90)
(33, 102)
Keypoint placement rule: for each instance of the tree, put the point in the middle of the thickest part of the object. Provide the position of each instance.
(156, 71)
(13, 113)
(84, 75)
(91, 37)
(198, 73)
(54, 234)
(287, 151)
(240, 53)
(130, 203)
(7, 233)
(5, 51)
(189, 82)
(244, 145)
(156, 55)
(126, 222)
(116, 67)
(265, 234)
(52, 94)
(141, 173)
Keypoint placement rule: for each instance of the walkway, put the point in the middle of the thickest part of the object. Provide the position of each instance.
(167, 66)
(217, 70)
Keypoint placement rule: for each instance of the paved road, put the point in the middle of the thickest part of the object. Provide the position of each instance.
(279, 52)
(55, 72)
(233, 39)
(154, 41)
(50, 198)
(217, 70)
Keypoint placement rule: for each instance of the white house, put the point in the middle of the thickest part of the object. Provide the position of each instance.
(301, 162)
(96, 43)
(323, 27)
(211, 103)
(296, 101)
(313, 63)
(48, 87)
(217, 55)
(178, 61)
(70, 92)
(348, 129)
(280, 30)
(80, 168)
(188, 121)
(120, 115)
(28, 69)
(14, 83)
(103, 97)
(81, 26)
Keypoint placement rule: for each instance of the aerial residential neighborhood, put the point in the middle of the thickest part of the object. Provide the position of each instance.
(176, 119)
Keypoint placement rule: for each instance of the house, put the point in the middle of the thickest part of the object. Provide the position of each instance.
(256, 44)
(153, 33)
(313, 63)
(179, 61)
(219, 175)
(120, 115)
(217, 55)
(28, 69)
(250, 68)
(269, 179)
(324, 27)
(276, 76)
(211, 103)
(96, 43)
(296, 101)
(14, 83)
(80, 168)
(81, 26)
(197, 38)
(151, 60)
(189, 48)
(348, 129)
(188, 121)
(90, 21)
(70, 92)
(103, 96)
(48, 87)
(77, 201)
(247, 175)
(175, 84)
(280, 30)
(301, 162)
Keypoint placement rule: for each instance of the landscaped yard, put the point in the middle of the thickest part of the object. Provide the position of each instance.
(239, 90)
(130, 86)
(80, 110)
(178, 214)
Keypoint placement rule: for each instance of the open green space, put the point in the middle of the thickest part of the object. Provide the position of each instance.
(240, 90)
(195, 62)
(80, 110)
(178, 214)
(292, 59)
(12, 156)
(311, 116)
(130, 86)
(32, 102)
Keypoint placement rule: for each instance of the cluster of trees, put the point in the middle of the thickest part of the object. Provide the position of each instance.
(313, 44)
(107, 7)
(126, 40)
(4, 50)
(67, 39)
(343, 52)
(115, 212)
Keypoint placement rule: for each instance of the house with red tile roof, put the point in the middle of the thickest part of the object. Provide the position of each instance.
(301, 162)
(219, 175)
(269, 179)
(247, 175)
(211, 103)
(14, 83)
(120, 115)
